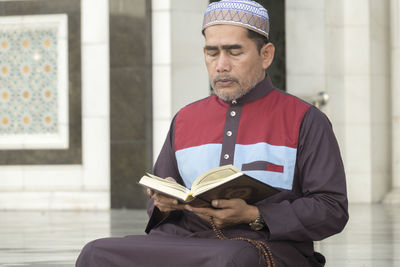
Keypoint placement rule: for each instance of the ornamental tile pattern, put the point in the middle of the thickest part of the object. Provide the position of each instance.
(28, 79)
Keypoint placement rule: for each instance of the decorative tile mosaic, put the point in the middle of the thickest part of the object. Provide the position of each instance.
(33, 84)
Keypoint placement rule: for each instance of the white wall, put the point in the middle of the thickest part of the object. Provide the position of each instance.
(342, 47)
(305, 53)
(335, 67)
(357, 100)
(179, 73)
(83, 186)
(394, 196)
(367, 98)
(380, 71)
(395, 48)
(189, 74)
(162, 94)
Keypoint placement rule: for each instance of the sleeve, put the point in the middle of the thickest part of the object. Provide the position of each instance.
(165, 166)
(318, 206)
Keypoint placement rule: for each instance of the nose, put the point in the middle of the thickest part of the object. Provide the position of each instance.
(223, 64)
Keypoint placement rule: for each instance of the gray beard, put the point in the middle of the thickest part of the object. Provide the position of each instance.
(235, 95)
(238, 94)
(229, 97)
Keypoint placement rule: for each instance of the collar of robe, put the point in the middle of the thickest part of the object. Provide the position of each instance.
(259, 91)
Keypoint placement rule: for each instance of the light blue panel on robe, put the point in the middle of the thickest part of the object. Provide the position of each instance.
(278, 155)
(194, 161)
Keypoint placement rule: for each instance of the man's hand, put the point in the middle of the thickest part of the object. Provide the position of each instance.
(228, 212)
(163, 202)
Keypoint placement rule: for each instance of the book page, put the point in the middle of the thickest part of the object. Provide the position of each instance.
(164, 186)
(237, 186)
(214, 175)
(203, 187)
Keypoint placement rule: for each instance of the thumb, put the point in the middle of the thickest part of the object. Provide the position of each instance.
(170, 179)
(150, 192)
(222, 203)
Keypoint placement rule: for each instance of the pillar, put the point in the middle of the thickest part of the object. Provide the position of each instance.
(394, 196)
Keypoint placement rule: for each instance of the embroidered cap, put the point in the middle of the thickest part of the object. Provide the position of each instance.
(245, 13)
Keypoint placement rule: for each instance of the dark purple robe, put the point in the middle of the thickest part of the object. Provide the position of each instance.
(310, 207)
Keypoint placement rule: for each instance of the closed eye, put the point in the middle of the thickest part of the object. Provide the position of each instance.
(212, 53)
(235, 52)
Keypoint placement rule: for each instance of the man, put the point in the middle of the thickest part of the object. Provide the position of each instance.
(270, 135)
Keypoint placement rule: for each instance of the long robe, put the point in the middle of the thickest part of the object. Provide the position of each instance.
(273, 137)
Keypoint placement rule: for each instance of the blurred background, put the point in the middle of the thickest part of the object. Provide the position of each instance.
(88, 89)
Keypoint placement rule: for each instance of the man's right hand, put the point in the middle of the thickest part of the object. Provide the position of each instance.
(165, 203)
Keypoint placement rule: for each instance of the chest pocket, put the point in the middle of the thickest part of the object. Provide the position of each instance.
(273, 165)
(262, 166)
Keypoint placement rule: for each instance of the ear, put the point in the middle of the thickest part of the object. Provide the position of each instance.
(267, 54)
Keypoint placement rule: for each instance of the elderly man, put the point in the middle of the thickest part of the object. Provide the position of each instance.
(270, 135)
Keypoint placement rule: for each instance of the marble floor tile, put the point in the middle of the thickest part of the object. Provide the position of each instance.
(35, 239)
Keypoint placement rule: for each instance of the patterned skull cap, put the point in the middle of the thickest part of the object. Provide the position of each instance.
(245, 13)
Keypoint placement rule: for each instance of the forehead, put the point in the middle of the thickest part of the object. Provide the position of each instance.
(225, 34)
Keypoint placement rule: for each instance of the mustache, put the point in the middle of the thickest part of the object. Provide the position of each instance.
(224, 77)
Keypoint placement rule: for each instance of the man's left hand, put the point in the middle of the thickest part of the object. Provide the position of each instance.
(227, 212)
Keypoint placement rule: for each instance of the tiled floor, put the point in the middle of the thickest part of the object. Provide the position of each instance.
(371, 238)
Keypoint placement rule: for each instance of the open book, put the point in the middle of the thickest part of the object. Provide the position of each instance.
(225, 182)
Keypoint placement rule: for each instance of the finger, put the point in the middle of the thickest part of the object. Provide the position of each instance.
(218, 223)
(226, 203)
(196, 210)
(170, 179)
(165, 207)
(203, 211)
(179, 207)
(165, 200)
(162, 206)
(169, 201)
(150, 192)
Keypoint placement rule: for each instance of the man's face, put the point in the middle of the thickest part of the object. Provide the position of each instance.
(233, 62)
